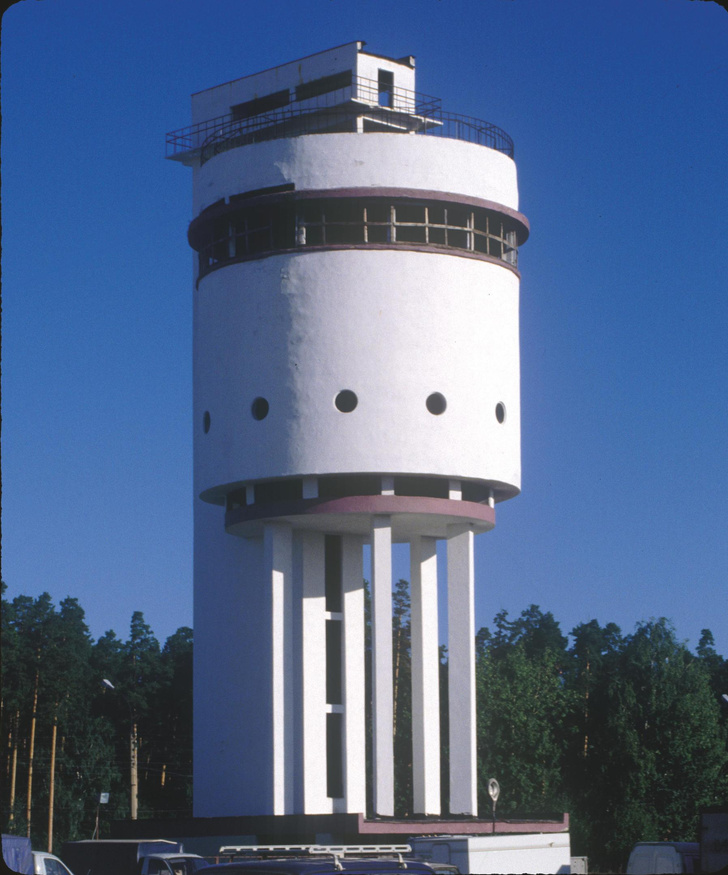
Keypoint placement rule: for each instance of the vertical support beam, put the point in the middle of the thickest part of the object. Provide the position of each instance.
(425, 676)
(278, 551)
(354, 688)
(461, 672)
(382, 692)
(313, 675)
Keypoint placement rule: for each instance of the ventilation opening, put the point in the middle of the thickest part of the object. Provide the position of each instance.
(235, 499)
(500, 412)
(477, 492)
(344, 485)
(422, 487)
(206, 422)
(279, 490)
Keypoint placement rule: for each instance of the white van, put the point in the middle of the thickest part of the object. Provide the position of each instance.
(650, 858)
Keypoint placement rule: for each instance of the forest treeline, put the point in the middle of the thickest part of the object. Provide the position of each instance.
(67, 737)
(626, 732)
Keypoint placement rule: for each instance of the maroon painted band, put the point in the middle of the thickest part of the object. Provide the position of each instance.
(364, 504)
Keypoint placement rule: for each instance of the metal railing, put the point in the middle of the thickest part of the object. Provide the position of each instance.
(359, 106)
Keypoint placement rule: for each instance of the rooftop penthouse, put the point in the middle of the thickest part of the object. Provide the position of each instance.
(341, 90)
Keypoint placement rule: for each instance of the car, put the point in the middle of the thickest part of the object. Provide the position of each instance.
(648, 858)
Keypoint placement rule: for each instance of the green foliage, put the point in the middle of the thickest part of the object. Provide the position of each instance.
(654, 747)
(627, 733)
(50, 651)
(522, 703)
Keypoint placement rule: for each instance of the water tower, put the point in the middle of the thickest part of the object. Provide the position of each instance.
(356, 381)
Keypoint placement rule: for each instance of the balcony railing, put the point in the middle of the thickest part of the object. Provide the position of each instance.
(360, 106)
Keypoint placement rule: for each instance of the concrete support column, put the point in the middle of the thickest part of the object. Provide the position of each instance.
(461, 672)
(354, 686)
(425, 676)
(313, 675)
(278, 564)
(382, 692)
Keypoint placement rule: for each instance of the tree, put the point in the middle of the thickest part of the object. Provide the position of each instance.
(656, 748)
(170, 787)
(521, 708)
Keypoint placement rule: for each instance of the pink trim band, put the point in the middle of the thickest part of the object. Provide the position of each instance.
(460, 511)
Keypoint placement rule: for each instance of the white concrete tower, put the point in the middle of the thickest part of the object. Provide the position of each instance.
(356, 380)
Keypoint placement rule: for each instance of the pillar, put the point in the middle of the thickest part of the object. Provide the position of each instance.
(313, 674)
(461, 671)
(382, 691)
(354, 685)
(278, 563)
(425, 676)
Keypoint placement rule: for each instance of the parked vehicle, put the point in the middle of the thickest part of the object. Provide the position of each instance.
(714, 840)
(319, 860)
(130, 857)
(546, 853)
(19, 857)
(652, 858)
(48, 864)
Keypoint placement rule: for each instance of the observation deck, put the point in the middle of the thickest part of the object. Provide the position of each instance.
(359, 105)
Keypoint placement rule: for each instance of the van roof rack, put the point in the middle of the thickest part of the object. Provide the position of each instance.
(336, 851)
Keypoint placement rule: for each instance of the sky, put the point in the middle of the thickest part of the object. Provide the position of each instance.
(618, 113)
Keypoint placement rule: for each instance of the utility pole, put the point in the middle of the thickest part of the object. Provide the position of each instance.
(133, 753)
(134, 782)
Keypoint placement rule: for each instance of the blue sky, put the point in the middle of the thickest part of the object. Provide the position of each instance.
(618, 112)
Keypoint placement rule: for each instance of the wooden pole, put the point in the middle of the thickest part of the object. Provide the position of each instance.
(29, 803)
(53, 782)
(14, 771)
(134, 773)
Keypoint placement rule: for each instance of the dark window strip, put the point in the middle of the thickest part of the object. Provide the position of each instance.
(255, 231)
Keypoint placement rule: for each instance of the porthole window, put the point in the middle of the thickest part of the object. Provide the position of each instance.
(346, 401)
(206, 421)
(259, 408)
(436, 403)
(500, 412)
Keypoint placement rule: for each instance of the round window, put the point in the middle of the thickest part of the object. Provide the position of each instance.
(346, 401)
(436, 403)
(259, 408)
(500, 412)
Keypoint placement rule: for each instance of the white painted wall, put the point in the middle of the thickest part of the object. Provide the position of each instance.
(325, 161)
(233, 735)
(392, 327)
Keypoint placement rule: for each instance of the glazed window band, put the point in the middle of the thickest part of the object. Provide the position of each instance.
(225, 234)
